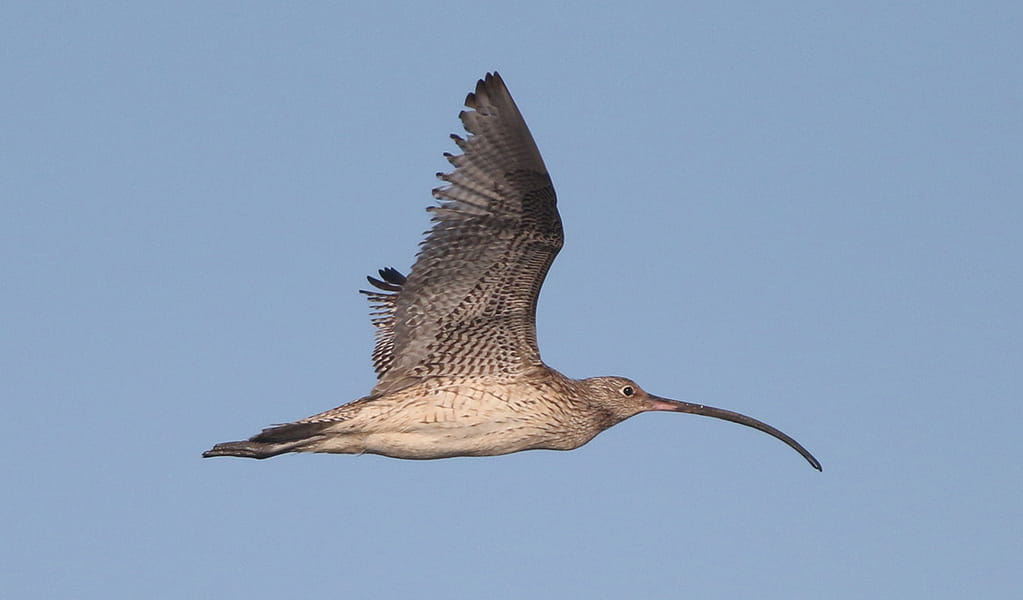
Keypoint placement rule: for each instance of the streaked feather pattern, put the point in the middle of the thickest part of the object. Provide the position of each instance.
(468, 306)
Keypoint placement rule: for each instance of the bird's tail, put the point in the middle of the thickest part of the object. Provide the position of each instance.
(291, 437)
(246, 449)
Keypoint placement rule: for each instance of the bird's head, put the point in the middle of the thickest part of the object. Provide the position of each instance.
(621, 398)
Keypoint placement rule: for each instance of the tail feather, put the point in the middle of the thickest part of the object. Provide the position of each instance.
(270, 442)
(246, 449)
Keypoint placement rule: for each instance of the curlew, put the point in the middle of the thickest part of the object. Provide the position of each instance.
(458, 368)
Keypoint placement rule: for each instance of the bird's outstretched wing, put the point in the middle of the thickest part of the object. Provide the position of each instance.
(469, 305)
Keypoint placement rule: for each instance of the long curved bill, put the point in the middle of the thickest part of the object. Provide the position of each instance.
(658, 403)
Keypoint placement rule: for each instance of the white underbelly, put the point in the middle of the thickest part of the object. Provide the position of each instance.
(444, 442)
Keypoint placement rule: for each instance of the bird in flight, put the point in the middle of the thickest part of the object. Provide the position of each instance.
(458, 368)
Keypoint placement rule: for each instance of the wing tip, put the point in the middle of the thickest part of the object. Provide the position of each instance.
(488, 86)
(390, 280)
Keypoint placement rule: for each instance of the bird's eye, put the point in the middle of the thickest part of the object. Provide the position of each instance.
(628, 390)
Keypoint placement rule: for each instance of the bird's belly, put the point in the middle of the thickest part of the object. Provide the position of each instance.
(440, 441)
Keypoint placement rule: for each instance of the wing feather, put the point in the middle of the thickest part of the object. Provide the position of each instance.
(468, 307)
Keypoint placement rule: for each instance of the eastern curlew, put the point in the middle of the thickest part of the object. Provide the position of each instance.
(458, 369)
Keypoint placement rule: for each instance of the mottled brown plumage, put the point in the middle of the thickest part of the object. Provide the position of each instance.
(458, 368)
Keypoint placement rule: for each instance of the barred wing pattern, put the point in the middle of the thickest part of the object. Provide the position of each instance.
(469, 305)
(382, 299)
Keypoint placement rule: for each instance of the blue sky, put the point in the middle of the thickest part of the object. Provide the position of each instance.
(810, 213)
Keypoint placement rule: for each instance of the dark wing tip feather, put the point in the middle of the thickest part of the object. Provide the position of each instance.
(392, 275)
(489, 82)
(380, 285)
(391, 280)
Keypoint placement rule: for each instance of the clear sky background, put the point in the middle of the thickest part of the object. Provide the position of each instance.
(808, 212)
